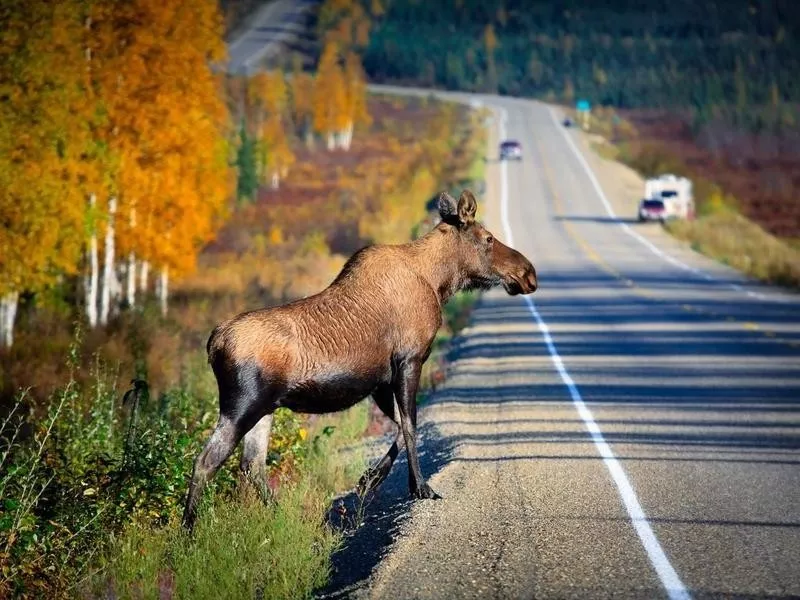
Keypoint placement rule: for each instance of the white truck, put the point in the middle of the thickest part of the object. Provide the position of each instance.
(667, 197)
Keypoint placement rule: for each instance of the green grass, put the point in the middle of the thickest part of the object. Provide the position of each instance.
(239, 550)
(245, 547)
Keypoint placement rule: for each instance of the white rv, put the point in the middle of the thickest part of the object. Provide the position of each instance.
(667, 197)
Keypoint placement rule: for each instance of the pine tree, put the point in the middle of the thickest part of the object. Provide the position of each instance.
(247, 180)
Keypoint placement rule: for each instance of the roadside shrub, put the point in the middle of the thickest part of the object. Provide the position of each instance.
(241, 544)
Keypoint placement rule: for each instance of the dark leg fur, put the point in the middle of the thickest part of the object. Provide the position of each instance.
(216, 451)
(406, 394)
(375, 475)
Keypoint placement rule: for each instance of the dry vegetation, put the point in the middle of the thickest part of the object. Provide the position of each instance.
(739, 242)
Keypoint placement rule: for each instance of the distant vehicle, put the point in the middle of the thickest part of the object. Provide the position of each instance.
(510, 149)
(567, 122)
(652, 210)
(674, 194)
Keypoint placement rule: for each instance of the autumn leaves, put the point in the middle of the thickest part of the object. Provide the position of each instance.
(113, 130)
(339, 98)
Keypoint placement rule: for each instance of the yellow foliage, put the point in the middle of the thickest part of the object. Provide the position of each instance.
(267, 91)
(356, 83)
(41, 207)
(166, 121)
(330, 96)
(302, 90)
(278, 154)
(489, 38)
(346, 23)
(275, 235)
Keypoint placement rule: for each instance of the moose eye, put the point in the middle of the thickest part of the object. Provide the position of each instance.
(489, 239)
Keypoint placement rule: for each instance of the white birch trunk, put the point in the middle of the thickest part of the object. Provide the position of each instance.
(276, 180)
(163, 289)
(92, 279)
(144, 272)
(331, 140)
(308, 135)
(8, 313)
(108, 264)
(130, 288)
(117, 288)
(130, 274)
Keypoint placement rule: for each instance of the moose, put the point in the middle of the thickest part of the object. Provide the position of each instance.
(367, 334)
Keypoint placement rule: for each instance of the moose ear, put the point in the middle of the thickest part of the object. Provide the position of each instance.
(448, 208)
(467, 206)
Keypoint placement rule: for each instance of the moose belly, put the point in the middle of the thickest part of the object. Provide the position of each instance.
(332, 392)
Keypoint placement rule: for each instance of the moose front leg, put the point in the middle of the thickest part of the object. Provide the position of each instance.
(406, 394)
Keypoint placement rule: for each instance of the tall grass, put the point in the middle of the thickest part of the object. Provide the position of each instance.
(736, 241)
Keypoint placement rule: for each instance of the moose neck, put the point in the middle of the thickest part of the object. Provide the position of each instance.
(437, 262)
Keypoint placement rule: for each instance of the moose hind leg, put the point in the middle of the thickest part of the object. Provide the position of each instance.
(254, 453)
(406, 394)
(375, 475)
(216, 451)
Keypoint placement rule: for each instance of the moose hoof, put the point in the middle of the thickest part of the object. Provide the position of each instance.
(425, 491)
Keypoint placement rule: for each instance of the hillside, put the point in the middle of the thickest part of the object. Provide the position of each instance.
(630, 54)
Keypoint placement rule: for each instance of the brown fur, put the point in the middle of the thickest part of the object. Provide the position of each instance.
(368, 333)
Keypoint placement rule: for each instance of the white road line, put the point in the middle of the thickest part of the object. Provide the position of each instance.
(655, 250)
(666, 573)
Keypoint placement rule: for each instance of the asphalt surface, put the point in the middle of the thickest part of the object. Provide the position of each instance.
(631, 431)
(279, 25)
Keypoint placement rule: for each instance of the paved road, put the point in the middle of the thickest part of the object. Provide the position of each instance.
(278, 26)
(633, 432)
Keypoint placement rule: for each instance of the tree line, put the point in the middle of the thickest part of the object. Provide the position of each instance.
(122, 141)
(735, 59)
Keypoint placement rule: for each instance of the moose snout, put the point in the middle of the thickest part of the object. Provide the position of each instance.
(517, 272)
(522, 281)
(531, 282)
(527, 280)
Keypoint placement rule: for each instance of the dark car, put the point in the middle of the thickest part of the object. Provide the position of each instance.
(510, 149)
(567, 122)
(652, 210)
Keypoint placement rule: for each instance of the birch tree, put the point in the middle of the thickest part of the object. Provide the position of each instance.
(356, 98)
(330, 96)
(93, 277)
